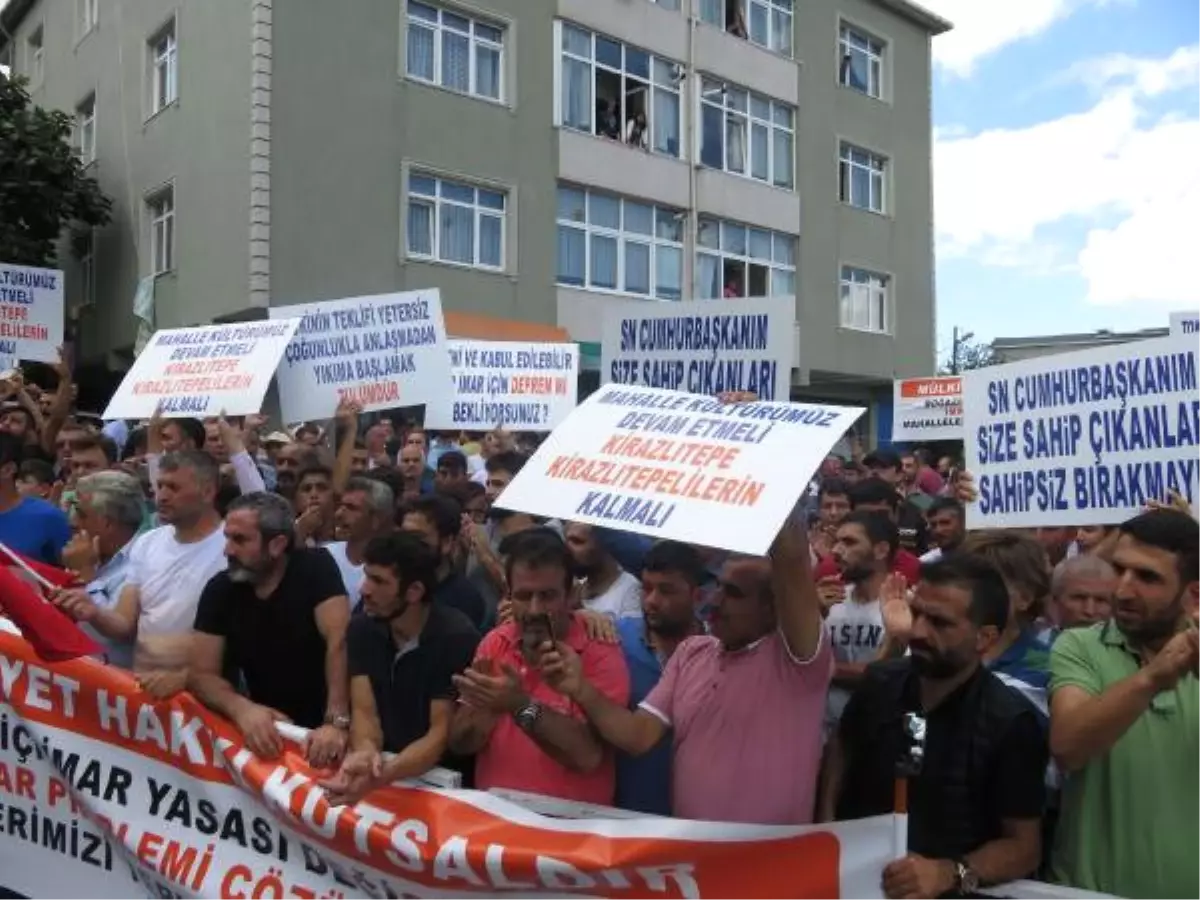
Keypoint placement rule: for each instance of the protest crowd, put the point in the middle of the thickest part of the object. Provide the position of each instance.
(1027, 696)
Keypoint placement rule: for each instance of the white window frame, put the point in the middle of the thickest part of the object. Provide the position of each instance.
(160, 215)
(864, 300)
(476, 41)
(663, 74)
(85, 129)
(722, 96)
(163, 50)
(853, 40)
(724, 14)
(35, 55)
(87, 17)
(436, 203)
(624, 237)
(852, 158)
(672, 5)
(725, 252)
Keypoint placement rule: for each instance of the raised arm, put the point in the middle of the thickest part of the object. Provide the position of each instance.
(797, 605)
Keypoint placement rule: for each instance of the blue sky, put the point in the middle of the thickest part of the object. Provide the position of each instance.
(1066, 165)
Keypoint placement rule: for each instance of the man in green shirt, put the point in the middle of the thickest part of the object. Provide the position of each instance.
(1125, 722)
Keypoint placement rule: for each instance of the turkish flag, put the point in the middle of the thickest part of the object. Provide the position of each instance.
(51, 632)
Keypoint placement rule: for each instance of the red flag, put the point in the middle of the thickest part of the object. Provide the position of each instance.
(53, 574)
(50, 631)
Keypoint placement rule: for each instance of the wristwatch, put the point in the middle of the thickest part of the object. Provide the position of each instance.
(527, 716)
(966, 879)
(341, 723)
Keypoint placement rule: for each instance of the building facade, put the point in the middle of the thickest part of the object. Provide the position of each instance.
(1007, 350)
(535, 161)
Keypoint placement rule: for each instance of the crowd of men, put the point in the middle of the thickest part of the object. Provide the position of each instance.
(1035, 691)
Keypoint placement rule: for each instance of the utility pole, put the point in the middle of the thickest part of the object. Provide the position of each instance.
(959, 340)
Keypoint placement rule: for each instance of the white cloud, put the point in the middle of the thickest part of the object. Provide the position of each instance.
(1148, 77)
(981, 27)
(1128, 180)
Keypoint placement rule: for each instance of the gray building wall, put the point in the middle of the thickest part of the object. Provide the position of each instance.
(200, 143)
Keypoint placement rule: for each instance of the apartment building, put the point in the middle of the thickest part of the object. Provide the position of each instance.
(536, 161)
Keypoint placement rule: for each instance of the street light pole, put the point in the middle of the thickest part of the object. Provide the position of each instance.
(959, 340)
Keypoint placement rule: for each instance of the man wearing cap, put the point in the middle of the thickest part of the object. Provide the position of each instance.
(910, 517)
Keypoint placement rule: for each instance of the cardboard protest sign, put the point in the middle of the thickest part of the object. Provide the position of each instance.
(31, 313)
(203, 371)
(519, 385)
(927, 409)
(380, 351)
(1185, 323)
(1083, 438)
(703, 347)
(680, 466)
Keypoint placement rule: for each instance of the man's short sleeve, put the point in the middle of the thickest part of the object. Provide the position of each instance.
(660, 702)
(1019, 778)
(358, 645)
(322, 579)
(214, 612)
(604, 666)
(1072, 663)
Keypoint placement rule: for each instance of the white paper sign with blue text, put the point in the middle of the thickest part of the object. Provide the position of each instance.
(679, 466)
(703, 347)
(517, 385)
(31, 313)
(381, 352)
(1083, 438)
(1185, 323)
(203, 371)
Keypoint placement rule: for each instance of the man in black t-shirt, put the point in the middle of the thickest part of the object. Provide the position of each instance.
(403, 652)
(975, 800)
(437, 520)
(277, 616)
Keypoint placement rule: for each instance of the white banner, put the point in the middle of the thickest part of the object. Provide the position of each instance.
(519, 385)
(1185, 323)
(203, 371)
(382, 351)
(31, 312)
(702, 347)
(679, 466)
(1083, 438)
(927, 409)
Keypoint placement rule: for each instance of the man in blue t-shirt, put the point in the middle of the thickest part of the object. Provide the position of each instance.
(28, 525)
(672, 575)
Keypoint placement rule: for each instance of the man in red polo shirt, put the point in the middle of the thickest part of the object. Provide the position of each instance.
(526, 735)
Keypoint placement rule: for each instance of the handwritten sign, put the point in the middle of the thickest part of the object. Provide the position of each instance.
(1185, 323)
(927, 409)
(381, 351)
(1083, 438)
(31, 313)
(202, 371)
(521, 385)
(679, 466)
(703, 347)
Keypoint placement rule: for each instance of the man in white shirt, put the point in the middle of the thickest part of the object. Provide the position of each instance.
(168, 568)
(947, 527)
(605, 587)
(365, 510)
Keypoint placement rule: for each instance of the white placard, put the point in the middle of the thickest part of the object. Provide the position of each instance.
(927, 409)
(1083, 438)
(382, 351)
(1185, 323)
(31, 313)
(519, 385)
(203, 371)
(679, 466)
(702, 347)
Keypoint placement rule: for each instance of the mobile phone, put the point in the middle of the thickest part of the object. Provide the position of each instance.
(535, 631)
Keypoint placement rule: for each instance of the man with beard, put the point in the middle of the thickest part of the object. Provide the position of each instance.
(604, 587)
(1124, 722)
(975, 805)
(437, 520)
(946, 519)
(404, 651)
(672, 575)
(277, 615)
(365, 510)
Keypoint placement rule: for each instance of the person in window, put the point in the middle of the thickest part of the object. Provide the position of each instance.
(403, 653)
(975, 805)
(735, 18)
(608, 123)
(636, 134)
(278, 616)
